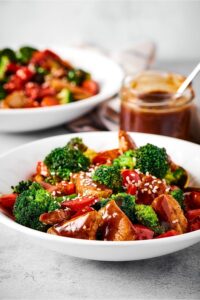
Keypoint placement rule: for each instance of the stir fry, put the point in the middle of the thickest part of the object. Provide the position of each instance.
(124, 194)
(33, 78)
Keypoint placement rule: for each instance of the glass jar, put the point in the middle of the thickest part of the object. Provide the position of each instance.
(148, 104)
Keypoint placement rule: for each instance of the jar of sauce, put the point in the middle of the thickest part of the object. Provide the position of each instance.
(148, 104)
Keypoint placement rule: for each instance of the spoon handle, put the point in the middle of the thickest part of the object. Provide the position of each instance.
(188, 80)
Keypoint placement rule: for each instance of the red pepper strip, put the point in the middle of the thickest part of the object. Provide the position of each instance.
(132, 189)
(90, 86)
(7, 212)
(80, 203)
(143, 232)
(193, 214)
(83, 211)
(167, 234)
(8, 200)
(129, 177)
(12, 68)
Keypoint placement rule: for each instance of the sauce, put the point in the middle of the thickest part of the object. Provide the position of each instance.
(148, 105)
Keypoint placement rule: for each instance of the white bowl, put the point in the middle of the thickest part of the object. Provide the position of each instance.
(105, 71)
(20, 163)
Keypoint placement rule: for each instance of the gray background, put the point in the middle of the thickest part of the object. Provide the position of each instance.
(173, 25)
(28, 271)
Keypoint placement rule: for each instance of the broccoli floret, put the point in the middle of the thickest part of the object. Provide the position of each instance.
(179, 196)
(152, 159)
(77, 76)
(178, 177)
(126, 203)
(109, 176)
(30, 204)
(65, 96)
(147, 217)
(9, 53)
(25, 185)
(62, 161)
(77, 143)
(125, 161)
(4, 62)
(25, 53)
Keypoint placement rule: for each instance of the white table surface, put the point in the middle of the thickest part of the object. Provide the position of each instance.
(30, 272)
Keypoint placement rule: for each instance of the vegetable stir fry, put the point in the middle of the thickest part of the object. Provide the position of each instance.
(32, 78)
(129, 193)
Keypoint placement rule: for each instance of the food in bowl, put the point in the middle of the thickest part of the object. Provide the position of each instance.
(31, 78)
(125, 194)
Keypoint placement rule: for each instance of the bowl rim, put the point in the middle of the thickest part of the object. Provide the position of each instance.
(45, 236)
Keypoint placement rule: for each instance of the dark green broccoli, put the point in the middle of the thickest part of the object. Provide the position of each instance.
(62, 161)
(21, 186)
(77, 143)
(30, 204)
(110, 176)
(77, 76)
(179, 196)
(6, 57)
(9, 53)
(178, 177)
(147, 217)
(152, 159)
(65, 96)
(127, 204)
(25, 53)
(126, 161)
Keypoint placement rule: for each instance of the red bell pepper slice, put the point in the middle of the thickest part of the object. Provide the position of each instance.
(79, 203)
(49, 101)
(143, 232)
(7, 212)
(8, 200)
(90, 86)
(167, 234)
(83, 211)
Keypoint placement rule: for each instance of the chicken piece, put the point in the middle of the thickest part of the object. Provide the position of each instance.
(16, 99)
(116, 225)
(169, 210)
(55, 216)
(106, 157)
(125, 142)
(85, 186)
(150, 188)
(81, 227)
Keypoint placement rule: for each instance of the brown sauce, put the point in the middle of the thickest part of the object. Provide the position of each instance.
(148, 105)
(173, 123)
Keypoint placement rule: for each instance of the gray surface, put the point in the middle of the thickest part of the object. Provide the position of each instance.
(29, 272)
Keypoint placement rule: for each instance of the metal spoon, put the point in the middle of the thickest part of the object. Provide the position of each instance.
(187, 81)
